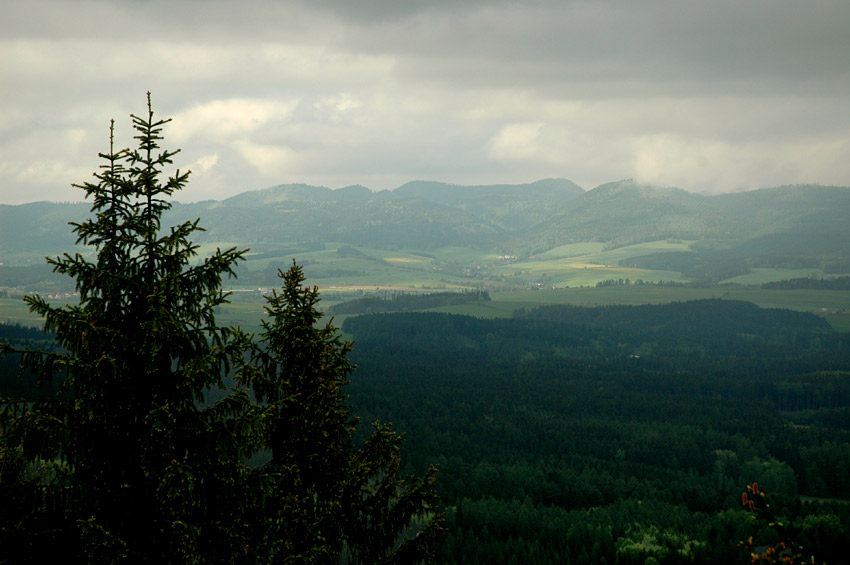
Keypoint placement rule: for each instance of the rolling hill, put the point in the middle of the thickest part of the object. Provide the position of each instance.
(792, 227)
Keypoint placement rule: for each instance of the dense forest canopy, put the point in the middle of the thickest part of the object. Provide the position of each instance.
(618, 434)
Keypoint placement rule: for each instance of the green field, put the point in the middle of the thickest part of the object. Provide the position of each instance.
(14, 311)
(815, 301)
(760, 275)
(340, 265)
(567, 274)
(246, 309)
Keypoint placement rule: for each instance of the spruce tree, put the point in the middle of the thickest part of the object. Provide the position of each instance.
(340, 503)
(132, 462)
(127, 453)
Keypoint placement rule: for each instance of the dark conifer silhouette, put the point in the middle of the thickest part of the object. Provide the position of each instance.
(134, 462)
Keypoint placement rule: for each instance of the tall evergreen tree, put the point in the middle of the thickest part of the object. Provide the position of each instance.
(132, 462)
(340, 502)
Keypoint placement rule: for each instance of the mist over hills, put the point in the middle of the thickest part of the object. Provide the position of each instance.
(803, 225)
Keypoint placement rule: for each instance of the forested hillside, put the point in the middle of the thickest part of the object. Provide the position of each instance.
(617, 434)
(407, 302)
(791, 227)
(13, 384)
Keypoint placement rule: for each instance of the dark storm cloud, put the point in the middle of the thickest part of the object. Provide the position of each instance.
(648, 47)
(709, 96)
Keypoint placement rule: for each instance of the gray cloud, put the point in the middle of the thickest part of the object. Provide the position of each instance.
(709, 96)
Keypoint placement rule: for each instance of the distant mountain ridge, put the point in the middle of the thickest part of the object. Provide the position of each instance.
(417, 215)
(806, 222)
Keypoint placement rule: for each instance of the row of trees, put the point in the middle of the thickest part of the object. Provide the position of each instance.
(837, 283)
(403, 302)
(176, 440)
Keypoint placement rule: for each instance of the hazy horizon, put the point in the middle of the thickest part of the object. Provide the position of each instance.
(178, 195)
(710, 98)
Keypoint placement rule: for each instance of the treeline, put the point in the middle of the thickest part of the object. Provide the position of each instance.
(708, 323)
(617, 434)
(704, 267)
(13, 382)
(267, 251)
(17, 333)
(837, 283)
(402, 302)
(641, 282)
(705, 264)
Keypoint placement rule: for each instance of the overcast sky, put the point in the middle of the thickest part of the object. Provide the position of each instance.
(711, 97)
